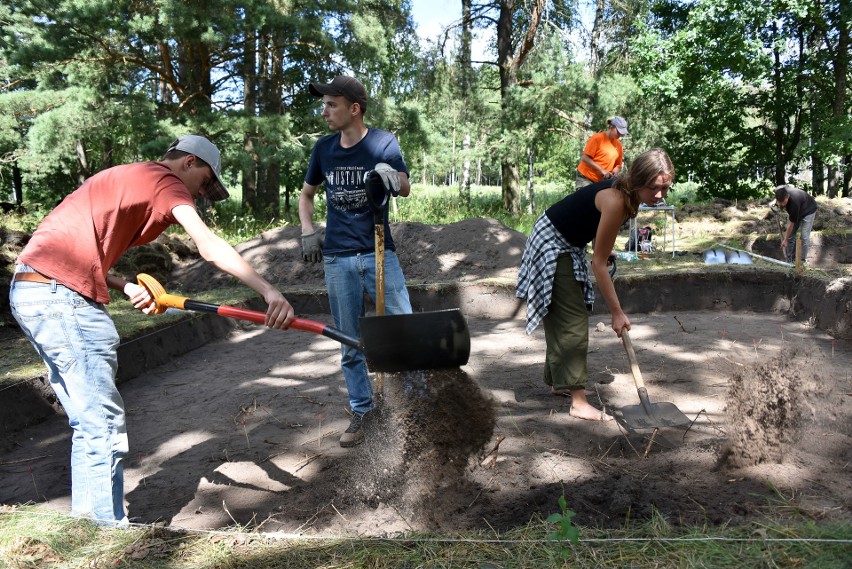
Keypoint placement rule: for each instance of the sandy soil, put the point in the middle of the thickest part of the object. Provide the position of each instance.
(244, 430)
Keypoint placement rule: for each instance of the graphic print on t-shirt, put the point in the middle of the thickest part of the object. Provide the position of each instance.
(347, 188)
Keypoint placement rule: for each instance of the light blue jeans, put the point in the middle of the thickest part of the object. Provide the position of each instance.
(77, 341)
(805, 227)
(347, 279)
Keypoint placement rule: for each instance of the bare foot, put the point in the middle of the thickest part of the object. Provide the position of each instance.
(565, 392)
(589, 413)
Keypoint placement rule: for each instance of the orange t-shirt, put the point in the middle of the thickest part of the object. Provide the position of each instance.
(114, 210)
(604, 152)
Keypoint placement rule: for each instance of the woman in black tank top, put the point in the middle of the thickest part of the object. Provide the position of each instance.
(554, 277)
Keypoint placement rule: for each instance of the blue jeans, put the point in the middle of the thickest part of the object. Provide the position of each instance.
(347, 278)
(805, 227)
(77, 341)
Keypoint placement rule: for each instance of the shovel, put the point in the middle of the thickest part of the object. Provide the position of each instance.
(647, 415)
(404, 342)
(375, 187)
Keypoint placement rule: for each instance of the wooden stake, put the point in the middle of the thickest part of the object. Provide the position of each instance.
(650, 442)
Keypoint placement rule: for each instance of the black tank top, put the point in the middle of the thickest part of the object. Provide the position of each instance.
(576, 216)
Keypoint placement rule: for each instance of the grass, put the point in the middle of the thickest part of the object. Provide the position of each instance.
(31, 537)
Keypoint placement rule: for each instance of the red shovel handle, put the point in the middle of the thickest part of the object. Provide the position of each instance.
(260, 317)
(165, 300)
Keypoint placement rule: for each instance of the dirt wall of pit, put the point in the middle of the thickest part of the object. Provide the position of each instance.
(827, 305)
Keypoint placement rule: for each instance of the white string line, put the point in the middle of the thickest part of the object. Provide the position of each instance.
(296, 537)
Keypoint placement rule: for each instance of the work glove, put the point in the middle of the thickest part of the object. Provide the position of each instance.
(376, 190)
(390, 177)
(312, 247)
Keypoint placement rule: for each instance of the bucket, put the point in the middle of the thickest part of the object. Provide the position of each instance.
(739, 258)
(714, 257)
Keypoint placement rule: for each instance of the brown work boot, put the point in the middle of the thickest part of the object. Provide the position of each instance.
(354, 434)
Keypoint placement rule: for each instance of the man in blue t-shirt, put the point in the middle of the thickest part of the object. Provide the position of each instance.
(341, 160)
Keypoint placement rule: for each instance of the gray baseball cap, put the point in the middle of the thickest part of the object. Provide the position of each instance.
(205, 150)
(620, 124)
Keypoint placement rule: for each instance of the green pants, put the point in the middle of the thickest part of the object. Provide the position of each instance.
(566, 330)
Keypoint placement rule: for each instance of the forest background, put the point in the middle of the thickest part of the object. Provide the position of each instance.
(744, 95)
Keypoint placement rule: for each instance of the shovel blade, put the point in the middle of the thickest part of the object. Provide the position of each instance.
(653, 415)
(423, 340)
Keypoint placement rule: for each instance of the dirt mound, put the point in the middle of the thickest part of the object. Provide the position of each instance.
(463, 251)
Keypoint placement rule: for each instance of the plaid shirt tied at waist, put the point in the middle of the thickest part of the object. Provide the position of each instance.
(538, 268)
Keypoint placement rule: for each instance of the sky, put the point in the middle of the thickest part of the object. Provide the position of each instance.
(433, 16)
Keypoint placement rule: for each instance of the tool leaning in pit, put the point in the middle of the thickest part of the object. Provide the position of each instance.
(400, 342)
(647, 415)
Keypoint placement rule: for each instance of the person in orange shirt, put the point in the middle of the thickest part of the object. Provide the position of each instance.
(603, 155)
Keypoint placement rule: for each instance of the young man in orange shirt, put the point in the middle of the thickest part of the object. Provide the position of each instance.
(603, 155)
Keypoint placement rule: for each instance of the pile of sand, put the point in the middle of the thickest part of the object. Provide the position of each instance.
(467, 250)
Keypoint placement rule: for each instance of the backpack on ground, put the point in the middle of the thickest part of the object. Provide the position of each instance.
(640, 240)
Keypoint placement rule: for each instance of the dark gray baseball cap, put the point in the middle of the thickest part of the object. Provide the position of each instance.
(342, 86)
(205, 150)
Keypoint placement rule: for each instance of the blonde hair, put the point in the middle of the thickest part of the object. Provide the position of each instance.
(642, 174)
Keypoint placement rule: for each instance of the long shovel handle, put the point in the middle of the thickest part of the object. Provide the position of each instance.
(165, 300)
(631, 355)
(637, 375)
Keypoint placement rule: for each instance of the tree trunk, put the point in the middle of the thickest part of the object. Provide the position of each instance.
(164, 90)
(530, 181)
(464, 188)
(508, 78)
(17, 183)
(509, 62)
(780, 176)
(831, 181)
(788, 121)
(838, 107)
(250, 162)
(106, 159)
(269, 193)
(817, 175)
(195, 78)
(465, 63)
(511, 187)
(82, 163)
(465, 89)
(595, 50)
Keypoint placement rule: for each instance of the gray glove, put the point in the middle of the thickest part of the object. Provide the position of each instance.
(389, 176)
(312, 247)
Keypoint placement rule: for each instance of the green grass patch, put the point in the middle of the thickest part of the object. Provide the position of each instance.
(33, 537)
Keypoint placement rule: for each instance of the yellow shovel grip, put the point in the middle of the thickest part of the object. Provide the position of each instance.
(171, 301)
(163, 300)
